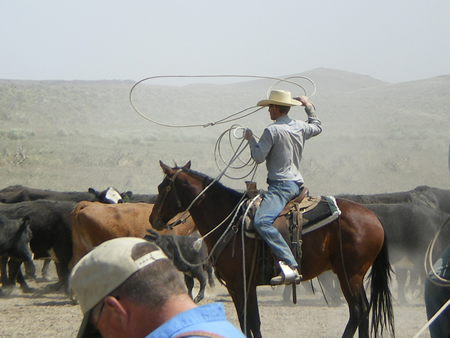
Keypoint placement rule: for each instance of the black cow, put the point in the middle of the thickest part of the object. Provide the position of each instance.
(50, 225)
(139, 198)
(422, 195)
(186, 259)
(18, 193)
(409, 229)
(15, 236)
(441, 197)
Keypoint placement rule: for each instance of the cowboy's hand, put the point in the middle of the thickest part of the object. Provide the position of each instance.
(304, 100)
(248, 134)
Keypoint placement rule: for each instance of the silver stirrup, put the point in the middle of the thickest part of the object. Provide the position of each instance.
(287, 275)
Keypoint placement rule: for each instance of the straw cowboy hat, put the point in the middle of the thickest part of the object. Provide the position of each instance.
(280, 98)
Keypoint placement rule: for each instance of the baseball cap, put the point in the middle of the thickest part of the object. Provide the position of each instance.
(103, 270)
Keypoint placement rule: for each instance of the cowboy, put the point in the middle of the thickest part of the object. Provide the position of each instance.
(281, 146)
(127, 287)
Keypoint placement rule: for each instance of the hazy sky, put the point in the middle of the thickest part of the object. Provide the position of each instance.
(390, 40)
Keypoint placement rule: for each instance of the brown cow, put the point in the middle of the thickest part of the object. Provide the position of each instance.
(93, 223)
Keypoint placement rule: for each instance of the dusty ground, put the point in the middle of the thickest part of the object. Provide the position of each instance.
(53, 315)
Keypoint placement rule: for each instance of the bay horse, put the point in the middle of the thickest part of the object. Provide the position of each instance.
(348, 246)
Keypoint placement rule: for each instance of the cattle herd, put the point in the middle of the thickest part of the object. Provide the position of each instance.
(63, 226)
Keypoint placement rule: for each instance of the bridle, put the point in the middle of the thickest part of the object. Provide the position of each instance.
(169, 188)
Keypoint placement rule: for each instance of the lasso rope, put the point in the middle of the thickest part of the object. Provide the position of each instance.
(229, 118)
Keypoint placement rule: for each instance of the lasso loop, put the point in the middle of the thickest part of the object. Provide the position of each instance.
(232, 132)
(294, 77)
(230, 118)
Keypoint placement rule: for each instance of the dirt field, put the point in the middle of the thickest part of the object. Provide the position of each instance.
(53, 315)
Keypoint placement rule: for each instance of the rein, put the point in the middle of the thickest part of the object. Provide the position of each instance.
(197, 244)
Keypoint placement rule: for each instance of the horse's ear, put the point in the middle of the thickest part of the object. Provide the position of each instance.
(187, 165)
(166, 169)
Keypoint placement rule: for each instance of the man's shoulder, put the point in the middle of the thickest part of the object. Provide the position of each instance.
(208, 318)
(286, 124)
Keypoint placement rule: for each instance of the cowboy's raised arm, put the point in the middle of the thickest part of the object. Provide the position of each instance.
(314, 123)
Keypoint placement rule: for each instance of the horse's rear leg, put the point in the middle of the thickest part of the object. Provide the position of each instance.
(358, 306)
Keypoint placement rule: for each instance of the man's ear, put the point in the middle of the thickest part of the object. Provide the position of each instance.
(116, 314)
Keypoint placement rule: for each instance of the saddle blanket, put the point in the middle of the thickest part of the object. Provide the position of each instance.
(325, 212)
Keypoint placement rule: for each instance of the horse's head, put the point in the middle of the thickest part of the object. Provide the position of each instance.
(169, 202)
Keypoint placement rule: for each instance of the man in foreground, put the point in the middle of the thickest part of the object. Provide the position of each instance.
(127, 287)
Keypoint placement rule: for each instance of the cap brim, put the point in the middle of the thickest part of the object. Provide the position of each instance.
(87, 329)
(265, 103)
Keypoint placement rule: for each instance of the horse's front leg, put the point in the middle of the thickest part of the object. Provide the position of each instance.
(248, 316)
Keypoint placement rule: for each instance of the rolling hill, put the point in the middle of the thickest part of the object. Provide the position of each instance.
(68, 135)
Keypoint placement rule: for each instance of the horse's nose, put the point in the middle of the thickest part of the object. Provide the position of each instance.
(159, 224)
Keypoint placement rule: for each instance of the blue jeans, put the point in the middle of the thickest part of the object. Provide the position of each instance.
(436, 296)
(273, 202)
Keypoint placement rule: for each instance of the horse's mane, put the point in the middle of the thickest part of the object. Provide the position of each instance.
(217, 185)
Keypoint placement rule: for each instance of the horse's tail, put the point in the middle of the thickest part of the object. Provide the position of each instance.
(381, 297)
